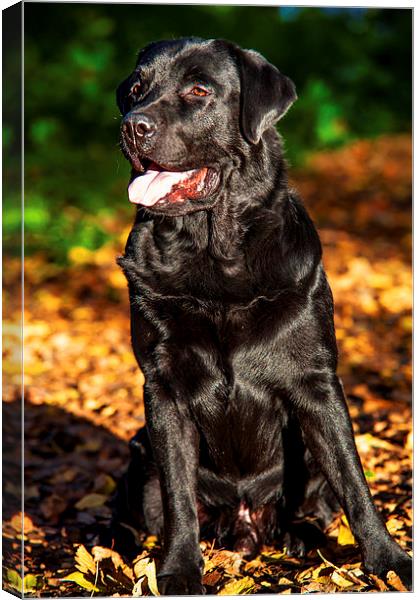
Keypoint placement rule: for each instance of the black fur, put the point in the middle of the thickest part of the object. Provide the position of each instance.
(248, 432)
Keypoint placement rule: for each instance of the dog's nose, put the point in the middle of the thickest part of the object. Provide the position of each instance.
(139, 125)
(145, 126)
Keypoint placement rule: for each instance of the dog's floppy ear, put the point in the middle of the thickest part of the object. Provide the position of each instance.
(122, 94)
(266, 94)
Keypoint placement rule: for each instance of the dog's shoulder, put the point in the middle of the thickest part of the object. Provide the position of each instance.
(282, 243)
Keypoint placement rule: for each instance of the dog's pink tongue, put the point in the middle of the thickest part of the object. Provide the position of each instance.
(149, 188)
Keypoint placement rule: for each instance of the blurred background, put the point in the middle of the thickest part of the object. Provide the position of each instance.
(352, 69)
(348, 139)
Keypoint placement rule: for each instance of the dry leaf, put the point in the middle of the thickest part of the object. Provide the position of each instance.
(81, 580)
(345, 536)
(137, 590)
(140, 567)
(91, 501)
(237, 586)
(394, 580)
(394, 524)
(150, 572)
(341, 581)
(85, 561)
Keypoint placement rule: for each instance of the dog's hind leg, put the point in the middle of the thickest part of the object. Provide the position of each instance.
(308, 503)
(137, 505)
(323, 415)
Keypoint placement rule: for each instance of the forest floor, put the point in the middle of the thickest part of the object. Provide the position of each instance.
(83, 395)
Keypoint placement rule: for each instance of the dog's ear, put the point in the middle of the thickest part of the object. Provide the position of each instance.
(266, 94)
(122, 93)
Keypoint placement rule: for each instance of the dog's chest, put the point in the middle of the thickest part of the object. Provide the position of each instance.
(242, 416)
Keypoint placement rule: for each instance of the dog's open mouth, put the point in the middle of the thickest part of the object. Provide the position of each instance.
(157, 186)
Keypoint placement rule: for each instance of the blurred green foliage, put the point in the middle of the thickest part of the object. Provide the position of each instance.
(352, 69)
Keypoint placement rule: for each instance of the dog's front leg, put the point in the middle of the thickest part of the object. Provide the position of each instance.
(175, 448)
(327, 429)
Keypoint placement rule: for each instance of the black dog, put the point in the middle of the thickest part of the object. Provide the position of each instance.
(247, 430)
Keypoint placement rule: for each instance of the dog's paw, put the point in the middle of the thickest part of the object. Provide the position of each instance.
(247, 546)
(181, 584)
(301, 538)
(403, 569)
(393, 559)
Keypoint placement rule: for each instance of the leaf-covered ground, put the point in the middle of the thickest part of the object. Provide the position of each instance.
(83, 395)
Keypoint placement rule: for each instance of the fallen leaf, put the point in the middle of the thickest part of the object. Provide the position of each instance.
(345, 536)
(394, 524)
(81, 580)
(212, 578)
(341, 581)
(91, 501)
(237, 586)
(150, 572)
(137, 590)
(31, 583)
(14, 580)
(140, 567)
(394, 580)
(85, 561)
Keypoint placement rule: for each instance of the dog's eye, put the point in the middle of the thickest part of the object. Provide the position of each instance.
(136, 90)
(199, 90)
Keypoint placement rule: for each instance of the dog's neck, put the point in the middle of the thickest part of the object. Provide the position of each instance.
(249, 189)
(251, 227)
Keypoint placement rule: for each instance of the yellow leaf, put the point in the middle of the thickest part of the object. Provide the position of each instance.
(104, 255)
(321, 572)
(14, 580)
(17, 522)
(101, 553)
(150, 542)
(84, 561)
(380, 280)
(305, 574)
(124, 235)
(273, 556)
(284, 581)
(237, 586)
(150, 572)
(409, 441)
(80, 579)
(137, 589)
(394, 524)
(117, 279)
(397, 299)
(80, 256)
(340, 581)
(407, 323)
(91, 501)
(140, 567)
(366, 441)
(345, 536)
(30, 583)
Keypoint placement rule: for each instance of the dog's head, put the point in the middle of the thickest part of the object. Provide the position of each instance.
(190, 108)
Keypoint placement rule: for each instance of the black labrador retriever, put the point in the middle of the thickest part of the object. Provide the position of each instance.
(248, 435)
